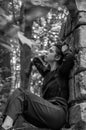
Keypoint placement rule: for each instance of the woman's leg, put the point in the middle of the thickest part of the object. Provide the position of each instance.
(13, 109)
(37, 111)
(42, 113)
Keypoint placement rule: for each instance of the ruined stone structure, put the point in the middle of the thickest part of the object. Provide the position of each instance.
(75, 36)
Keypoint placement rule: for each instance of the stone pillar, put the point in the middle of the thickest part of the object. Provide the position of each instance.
(75, 35)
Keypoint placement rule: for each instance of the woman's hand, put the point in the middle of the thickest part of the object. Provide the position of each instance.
(64, 48)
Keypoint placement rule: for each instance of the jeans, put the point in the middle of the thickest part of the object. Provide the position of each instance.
(35, 110)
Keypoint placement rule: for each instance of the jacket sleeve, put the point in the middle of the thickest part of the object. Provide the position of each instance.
(67, 65)
(37, 61)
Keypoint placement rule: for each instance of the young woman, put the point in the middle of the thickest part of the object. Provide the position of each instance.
(50, 110)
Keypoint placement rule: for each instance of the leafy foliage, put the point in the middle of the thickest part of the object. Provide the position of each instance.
(9, 51)
(7, 5)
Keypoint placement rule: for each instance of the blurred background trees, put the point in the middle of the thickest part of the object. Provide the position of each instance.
(9, 52)
(12, 54)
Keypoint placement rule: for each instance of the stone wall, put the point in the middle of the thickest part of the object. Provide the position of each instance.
(75, 35)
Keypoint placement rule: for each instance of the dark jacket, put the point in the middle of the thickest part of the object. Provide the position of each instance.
(55, 83)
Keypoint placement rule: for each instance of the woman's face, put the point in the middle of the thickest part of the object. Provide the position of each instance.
(51, 54)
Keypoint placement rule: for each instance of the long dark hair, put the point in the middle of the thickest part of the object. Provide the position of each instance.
(59, 52)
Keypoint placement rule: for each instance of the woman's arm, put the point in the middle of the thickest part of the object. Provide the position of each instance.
(67, 65)
(43, 69)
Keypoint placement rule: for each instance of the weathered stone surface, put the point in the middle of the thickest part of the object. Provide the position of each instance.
(77, 84)
(80, 46)
(80, 53)
(77, 10)
(82, 18)
(71, 89)
(80, 125)
(78, 116)
(81, 5)
(83, 111)
(74, 114)
(80, 36)
(80, 84)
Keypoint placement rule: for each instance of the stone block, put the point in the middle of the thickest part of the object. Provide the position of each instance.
(71, 89)
(80, 47)
(83, 111)
(80, 36)
(81, 18)
(80, 125)
(82, 57)
(77, 112)
(81, 5)
(80, 84)
(74, 114)
(80, 77)
(78, 117)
